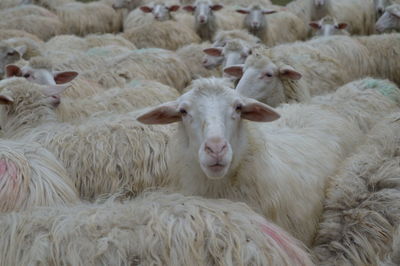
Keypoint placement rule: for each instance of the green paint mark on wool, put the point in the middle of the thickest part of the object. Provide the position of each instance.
(384, 87)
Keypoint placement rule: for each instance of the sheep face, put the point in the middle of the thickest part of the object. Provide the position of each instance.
(41, 76)
(203, 11)
(380, 6)
(328, 26)
(254, 20)
(9, 55)
(320, 3)
(390, 20)
(263, 82)
(211, 115)
(161, 12)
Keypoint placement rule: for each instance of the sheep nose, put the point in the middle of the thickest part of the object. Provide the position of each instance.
(202, 19)
(255, 25)
(216, 147)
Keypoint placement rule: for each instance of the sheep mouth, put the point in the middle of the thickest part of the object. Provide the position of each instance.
(217, 167)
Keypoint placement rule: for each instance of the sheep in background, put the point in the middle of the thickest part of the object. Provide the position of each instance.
(31, 176)
(390, 20)
(8, 34)
(328, 26)
(139, 152)
(160, 10)
(49, 4)
(379, 6)
(276, 29)
(362, 209)
(217, 154)
(27, 47)
(9, 55)
(155, 228)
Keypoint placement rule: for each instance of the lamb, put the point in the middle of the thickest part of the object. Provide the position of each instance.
(280, 28)
(361, 209)
(293, 72)
(218, 155)
(31, 176)
(328, 26)
(82, 19)
(153, 229)
(206, 22)
(389, 20)
(169, 35)
(160, 10)
(138, 151)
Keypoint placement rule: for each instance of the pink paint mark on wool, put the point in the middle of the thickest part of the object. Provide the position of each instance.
(9, 170)
(279, 237)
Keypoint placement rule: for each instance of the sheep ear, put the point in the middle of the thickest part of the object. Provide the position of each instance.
(289, 73)
(268, 11)
(213, 51)
(243, 11)
(52, 90)
(189, 8)
(146, 9)
(163, 114)
(216, 7)
(258, 112)
(61, 77)
(342, 26)
(315, 25)
(236, 70)
(13, 71)
(173, 8)
(6, 100)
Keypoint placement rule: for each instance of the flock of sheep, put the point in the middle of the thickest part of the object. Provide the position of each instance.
(199, 132)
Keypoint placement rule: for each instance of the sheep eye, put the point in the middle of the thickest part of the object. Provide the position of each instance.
(27, 75)
(183, 111)
(11, 53)
(268, 75)
(238, 108)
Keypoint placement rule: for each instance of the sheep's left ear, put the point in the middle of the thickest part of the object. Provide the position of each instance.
(163, 114)
(6, 100)
(268, 11)
(173, 8)
(61, 77)
(146, 9)
(342, 26)
(256, 111)
(235, 70)
(216, 7)
(213, 51)
(315, 25)
(13, 71)
(289, 72)
(189, 8)
(52, 90)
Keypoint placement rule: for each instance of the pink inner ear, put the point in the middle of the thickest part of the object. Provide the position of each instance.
(13, 71)
(216, 7)
(342, 26)
(235, 71)
(173, 8)
(314, 25)
(64, 77)
(213, 51)
(242, 11)
(259, 112)
(189, 8)
(146, 9)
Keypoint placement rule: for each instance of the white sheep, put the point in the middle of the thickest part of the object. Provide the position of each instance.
(31, 176)
(102, 155)
(153, 229)
(8, 34)
(379, 6)
(390, 19)
(48, 4)
(362, 210)
(328, 26)
(9, 55)
(275, 29)
(271, 167)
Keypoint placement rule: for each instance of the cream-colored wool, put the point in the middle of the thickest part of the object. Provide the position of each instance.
(8, 4)
(43, 27)
(274, 164)
(25, 10)
(8, 34)
(31, 176)
(362, 209)
(136, 95)
(150, 64)
(83, 19)
(154, 229)
(101, 155)
(224, 35)
(49, 4)
(162, 34)
(192, 55)
(33, 48)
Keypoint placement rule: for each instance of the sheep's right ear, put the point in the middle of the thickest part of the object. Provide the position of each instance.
(315, 25)
(213, 51)
(256, 111)
(163, 114)
(62, 77)
(6, 100)
(236, 70)
(189, 8)
(146, 9)
(13, 71)
(243, 10)
(268, 11)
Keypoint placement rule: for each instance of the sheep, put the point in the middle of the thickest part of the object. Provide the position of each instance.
(9, 55)
(361, 211)
(8, 34)
(153, 229)
(169, 35)
(268, 166)
(293, 72)
(279, 28)
(138, 151)
(8, 4)
(160, 10)
(48, 4)
(328, 26)
(150, 64)
(25, 10)
(43, 27)
(379, 6)
(82, 19)
(206, 22)
(389, 20)
(31, 47)
(31, 176)
(232, 2)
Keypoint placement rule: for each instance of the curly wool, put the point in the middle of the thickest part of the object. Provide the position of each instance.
(154, 229)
